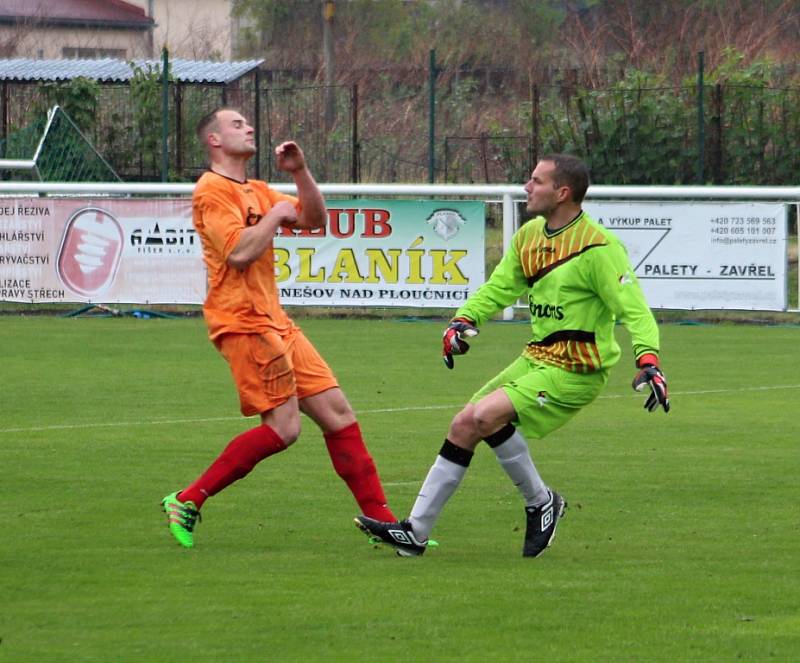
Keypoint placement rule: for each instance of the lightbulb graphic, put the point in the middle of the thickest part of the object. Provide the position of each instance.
(90, 252)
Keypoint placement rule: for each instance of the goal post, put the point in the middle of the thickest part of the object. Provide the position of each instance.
(62, 153)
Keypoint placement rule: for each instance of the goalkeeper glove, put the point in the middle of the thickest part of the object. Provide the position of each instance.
(453, 342)
(651, 376)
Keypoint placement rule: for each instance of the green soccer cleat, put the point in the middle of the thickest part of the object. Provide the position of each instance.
(181, 517)
(399, 535)
(376, 541)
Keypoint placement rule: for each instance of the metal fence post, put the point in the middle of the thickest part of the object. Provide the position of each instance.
(164, 114)
(4, 114)
(432, 117)
(701, 134)
(354, 165)
(533, 155)
(717, 160)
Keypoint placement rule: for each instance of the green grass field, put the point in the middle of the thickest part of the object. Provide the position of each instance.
(680, 543)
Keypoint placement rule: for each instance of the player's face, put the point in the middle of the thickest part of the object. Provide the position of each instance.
(543, 193)
(236, 137)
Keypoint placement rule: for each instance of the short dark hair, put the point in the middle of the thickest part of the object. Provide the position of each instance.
(208, 119)
(570, 171)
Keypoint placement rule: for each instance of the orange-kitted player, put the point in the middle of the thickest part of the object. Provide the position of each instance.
(277, 371)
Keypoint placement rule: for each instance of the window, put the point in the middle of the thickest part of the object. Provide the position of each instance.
(82, 53)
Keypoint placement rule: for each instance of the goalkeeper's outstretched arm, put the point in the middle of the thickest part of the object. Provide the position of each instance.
(503, 288)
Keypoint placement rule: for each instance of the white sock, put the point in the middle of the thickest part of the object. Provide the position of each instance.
(442, 480)
(515, 458)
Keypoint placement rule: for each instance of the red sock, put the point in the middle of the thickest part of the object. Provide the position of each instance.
(352, 462)
(239, 457)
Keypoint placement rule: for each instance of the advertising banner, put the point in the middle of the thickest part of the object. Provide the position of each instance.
(411, 253)
(99, 251)
(371, 253)
(385, 253)
(703, 255)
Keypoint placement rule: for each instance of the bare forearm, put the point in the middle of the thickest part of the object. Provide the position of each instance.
(313, 211)
(254, 240)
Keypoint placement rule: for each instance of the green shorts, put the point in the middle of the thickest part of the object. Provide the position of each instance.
(545, 397)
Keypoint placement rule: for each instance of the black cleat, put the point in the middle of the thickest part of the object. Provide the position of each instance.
(399, 535)
(542, 522)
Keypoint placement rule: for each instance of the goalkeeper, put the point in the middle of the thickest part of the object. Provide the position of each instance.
(578, 281)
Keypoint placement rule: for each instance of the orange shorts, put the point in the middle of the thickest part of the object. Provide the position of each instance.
(269, 369)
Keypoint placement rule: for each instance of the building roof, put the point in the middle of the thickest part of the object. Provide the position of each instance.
(95, 13)
(118, 71)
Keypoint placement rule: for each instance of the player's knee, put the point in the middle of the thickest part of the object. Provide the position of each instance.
(339, 410)
(339, 404)
(285, 421)
(291, 433)
(340, 418)
(485, 421)
(463, 425)
(287, 429)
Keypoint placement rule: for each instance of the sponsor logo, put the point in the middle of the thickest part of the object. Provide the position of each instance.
(400, 536)
(253, 217)
(405, 538)
(90, 251)
(546, 310)
(156, 239)
(446, 223)
(547, 518)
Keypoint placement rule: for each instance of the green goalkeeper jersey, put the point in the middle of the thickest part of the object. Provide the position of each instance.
(579, 281)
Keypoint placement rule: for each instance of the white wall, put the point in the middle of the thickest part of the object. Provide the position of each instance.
(49, 43)
(191, 29)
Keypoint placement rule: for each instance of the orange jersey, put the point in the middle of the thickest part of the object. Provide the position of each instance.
(238, 300)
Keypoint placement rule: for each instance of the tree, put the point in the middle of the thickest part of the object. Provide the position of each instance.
(529, 37)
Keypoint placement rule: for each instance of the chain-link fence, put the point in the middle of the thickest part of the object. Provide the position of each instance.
(123, 124)
(321, 119)
(631, 132)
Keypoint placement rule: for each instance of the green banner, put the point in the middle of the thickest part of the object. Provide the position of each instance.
(385, 253)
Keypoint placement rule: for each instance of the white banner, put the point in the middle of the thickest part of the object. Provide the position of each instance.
(371, 253)
(703, 255)
(99, 251)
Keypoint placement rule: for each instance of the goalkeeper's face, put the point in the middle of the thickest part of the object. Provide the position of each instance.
(235, 137)
(544, 195)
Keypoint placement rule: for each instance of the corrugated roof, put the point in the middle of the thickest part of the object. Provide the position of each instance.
(112, 71)
(59, 12)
